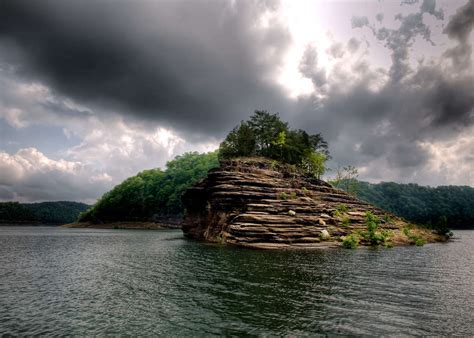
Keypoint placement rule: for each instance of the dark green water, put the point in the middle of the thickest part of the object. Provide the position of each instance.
(57, 281)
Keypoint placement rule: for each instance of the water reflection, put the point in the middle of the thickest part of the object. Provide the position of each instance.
(77, 281)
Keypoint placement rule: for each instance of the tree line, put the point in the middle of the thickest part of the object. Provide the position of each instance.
(451, 206)
(152, 193)
(44, 212)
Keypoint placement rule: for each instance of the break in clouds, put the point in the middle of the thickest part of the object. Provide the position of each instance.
(94, 91)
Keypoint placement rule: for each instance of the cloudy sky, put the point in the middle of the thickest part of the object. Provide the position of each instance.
(94, 91)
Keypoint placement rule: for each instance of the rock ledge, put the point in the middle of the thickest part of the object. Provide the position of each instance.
(259, 203)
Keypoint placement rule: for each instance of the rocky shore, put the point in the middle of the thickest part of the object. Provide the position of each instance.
(260, 203)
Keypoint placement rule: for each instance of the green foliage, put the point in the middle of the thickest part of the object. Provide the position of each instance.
(441, 225)
(239, 142)
(407, 231)
(293, 195)
(336, 213)
(314, 164)
(372, 235)
(44, 212)
(420, 242)
(152, 192)
(351, 241)
(273, 165)
(342, 208)
(440, 208)
(387, 218)
(16, 212)
(304, 190)
(267, 135)
(345, 221)
(57, 212)
(282, 196)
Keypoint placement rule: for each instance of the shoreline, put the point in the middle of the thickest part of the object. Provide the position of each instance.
(124, 225)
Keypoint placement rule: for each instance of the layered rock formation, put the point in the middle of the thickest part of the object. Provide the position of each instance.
(262, 204)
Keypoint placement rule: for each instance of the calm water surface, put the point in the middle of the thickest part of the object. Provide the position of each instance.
(56, 281)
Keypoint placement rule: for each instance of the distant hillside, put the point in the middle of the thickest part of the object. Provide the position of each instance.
(451, 204)
(44, 213)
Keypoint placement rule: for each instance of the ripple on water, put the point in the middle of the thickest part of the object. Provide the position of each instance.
(81, 281)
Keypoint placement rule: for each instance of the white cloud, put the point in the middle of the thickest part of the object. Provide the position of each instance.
(29, 175)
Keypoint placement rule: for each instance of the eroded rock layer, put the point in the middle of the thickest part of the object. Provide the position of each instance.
(261, 204)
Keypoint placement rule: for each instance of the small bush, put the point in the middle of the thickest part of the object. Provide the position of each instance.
(304, 190)
(345, 221)
(336, 213)
(293, 195)
(407, 230)
(282, 196)
(351, 241)
(420, 241)
(342, 208)
(387, 218)
(372, 235)
(273, 165)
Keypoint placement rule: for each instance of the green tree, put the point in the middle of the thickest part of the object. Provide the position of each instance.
(267, 135)
(239, 142)
(314, 164)
(152, 192)
(267, 128)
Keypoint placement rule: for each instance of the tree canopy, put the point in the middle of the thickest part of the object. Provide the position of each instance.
(267, 135)
(152, 192)
(451, 206)
(44, 212)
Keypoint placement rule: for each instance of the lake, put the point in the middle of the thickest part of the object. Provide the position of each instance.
(58, 281)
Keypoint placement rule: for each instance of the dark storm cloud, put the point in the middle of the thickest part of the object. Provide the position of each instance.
(310, 68)
(424, 104)
(400, 40)
(459, 28)
(200, 67)
(188, 64)
(461, 24)
(429, 6)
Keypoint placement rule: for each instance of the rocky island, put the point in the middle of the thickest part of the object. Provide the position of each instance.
(260, 203)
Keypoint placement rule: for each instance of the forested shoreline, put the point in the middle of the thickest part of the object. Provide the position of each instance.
(60, 212)
(451, 206)
(144, 198)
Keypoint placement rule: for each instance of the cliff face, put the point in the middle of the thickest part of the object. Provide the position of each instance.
(258, 203)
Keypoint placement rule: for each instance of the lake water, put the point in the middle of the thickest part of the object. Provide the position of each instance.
(56, 281)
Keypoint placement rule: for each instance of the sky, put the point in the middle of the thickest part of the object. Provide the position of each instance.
(94, 91)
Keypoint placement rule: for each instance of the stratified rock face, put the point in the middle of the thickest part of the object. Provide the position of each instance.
(258, 203)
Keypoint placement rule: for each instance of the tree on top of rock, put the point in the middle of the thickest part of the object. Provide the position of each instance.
(267, 135)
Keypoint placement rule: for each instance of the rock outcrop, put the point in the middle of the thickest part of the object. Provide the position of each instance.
(263, 204)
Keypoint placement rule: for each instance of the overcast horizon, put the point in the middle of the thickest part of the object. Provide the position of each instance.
(94, 91)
